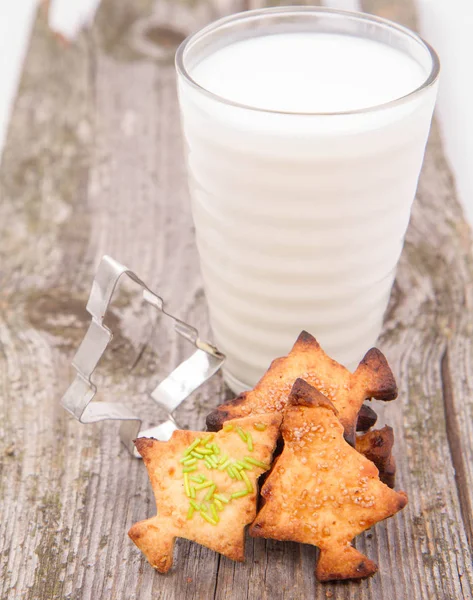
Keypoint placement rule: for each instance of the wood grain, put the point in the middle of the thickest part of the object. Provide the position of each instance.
(94, 165)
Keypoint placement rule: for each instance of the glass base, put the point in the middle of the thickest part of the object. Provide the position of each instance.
(235, 384)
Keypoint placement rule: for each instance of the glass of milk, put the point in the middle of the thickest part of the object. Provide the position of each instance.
(305, 131)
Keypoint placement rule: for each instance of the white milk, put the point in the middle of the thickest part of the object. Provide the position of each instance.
(300, 218)
(306, 72)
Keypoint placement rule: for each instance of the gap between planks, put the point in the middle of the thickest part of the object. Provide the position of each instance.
(454, 442)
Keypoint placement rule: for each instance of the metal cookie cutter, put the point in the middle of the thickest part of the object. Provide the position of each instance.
(169, 394)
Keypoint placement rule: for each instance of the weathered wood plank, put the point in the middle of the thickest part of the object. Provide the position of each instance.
(427, 334)
(102, 171)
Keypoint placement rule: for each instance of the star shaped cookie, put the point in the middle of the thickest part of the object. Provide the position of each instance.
(347, 391)
(321, 491)
(205, 486)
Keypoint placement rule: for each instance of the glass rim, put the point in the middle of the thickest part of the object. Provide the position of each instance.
(241, 16)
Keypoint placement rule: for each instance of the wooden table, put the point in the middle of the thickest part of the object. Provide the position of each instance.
(94, 165)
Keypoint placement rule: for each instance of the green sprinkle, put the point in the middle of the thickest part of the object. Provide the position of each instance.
(224, 465)
(202, 486)
(208, 463)
(241, 433)
(216, 449)
(194, 505)
(209, 519)
(192, 490)
(208, 439)
(210, 493)
(189, 469)
(249, 485)
(190, 461)
(204, 451)
(221, 498)
(223, 459)
(227, 427)
(197, 454)
(242, 465)
(194, 444)
(197, 478)
(204, 507)
(237, 473)
(218, 504)
(259, 426)
(249, 441)
(213, 512)
(240, 494)
(186, 485)
(190, 512)
(231, 471)
(257, 463)
(213, 459)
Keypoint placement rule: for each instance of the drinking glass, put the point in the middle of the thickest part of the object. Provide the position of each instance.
(300, 217)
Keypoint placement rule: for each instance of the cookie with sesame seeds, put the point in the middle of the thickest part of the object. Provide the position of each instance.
(205, 486)
(321, 491)
(372, 379)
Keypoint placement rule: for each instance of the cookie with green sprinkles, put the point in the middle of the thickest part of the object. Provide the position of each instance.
(205, 486)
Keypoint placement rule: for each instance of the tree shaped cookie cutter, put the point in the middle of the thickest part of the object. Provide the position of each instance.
(169, 393)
